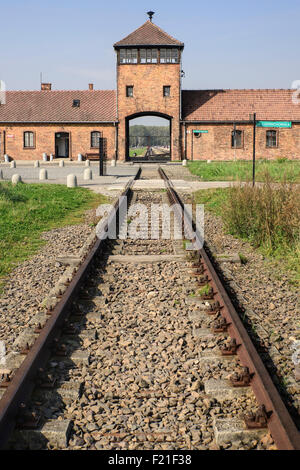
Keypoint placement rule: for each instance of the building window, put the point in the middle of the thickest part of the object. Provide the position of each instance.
(95, 139)
(76, 103)
(129, 91)
(29, 141)
(237, 139)
(272, 139)
(169, 56)
(167, 90)
(128, 56)
(148, 56)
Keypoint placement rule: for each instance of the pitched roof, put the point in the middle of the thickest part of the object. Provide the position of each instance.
(234, 105)
(149, 34)
(57, 106)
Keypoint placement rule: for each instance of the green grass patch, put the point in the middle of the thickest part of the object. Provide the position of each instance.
(279, 170)
(27, 210)
(268, 217)
(204, 290)
(140, 152)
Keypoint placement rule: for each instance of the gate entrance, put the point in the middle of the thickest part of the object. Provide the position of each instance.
(148, 139)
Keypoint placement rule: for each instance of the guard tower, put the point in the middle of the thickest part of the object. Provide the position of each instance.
(148, 82)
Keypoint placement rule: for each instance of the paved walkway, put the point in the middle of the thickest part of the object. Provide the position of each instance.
(115, 180)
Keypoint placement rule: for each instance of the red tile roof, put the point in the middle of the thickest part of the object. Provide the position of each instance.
(234, 105)
(149, 34)
(57, 106)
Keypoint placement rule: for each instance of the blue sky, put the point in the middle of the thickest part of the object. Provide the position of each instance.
(228, 44)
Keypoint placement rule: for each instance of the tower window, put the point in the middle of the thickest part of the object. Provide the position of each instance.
(148, 56)
(237, 139)
(128, 56)
(169, 56)
(272, 140)
(129, 91)
(167, 90)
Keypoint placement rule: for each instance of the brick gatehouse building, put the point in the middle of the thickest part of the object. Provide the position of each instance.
(204, 124)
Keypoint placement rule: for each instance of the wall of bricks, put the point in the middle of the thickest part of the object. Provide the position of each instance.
(148, 81)
(216, 144)
(79, 135)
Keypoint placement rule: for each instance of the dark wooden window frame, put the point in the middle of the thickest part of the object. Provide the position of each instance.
(277, 139)
(150, 57)
(130, 54)
(91, 141)
(169, 55)
(128, 87)
(25, 147)
(242, 140)
(165, 88)
(158, 56)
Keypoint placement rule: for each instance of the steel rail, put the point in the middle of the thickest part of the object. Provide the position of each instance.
(280, 423)
(23, 382)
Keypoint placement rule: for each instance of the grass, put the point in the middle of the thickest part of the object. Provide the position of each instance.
(279, 170)
(267, 217)
(204, 290)
(139, 151)
(27, 210)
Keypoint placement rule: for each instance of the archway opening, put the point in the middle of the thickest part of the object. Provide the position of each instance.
(148, 138)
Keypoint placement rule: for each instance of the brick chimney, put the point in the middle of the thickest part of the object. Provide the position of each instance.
(46, 86)
(91, 86)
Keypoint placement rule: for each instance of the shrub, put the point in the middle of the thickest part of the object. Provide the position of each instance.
(268, 215)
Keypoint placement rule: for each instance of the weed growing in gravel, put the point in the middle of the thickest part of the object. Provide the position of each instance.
(243, 258)
(204, 290)
(268, 216)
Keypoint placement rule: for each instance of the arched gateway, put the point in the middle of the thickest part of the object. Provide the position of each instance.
(148, 83)
(148, 137)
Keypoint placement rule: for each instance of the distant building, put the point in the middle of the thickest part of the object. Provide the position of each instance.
(204, 124)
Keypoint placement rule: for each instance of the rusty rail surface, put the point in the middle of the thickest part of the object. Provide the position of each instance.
(23, 382)
(280, 423)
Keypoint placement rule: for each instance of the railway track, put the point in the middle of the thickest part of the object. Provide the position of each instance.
(132, 357)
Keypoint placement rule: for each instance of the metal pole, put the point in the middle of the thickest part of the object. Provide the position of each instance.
(234, 139)
(100, 156)
(254, 138)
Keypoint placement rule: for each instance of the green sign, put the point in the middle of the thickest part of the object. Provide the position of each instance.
(201, 132)
(286, 124)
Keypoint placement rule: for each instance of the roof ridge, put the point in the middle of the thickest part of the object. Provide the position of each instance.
(242, 89)
(169, 35)
(132, 32)
(54, 91)
(139, 31)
